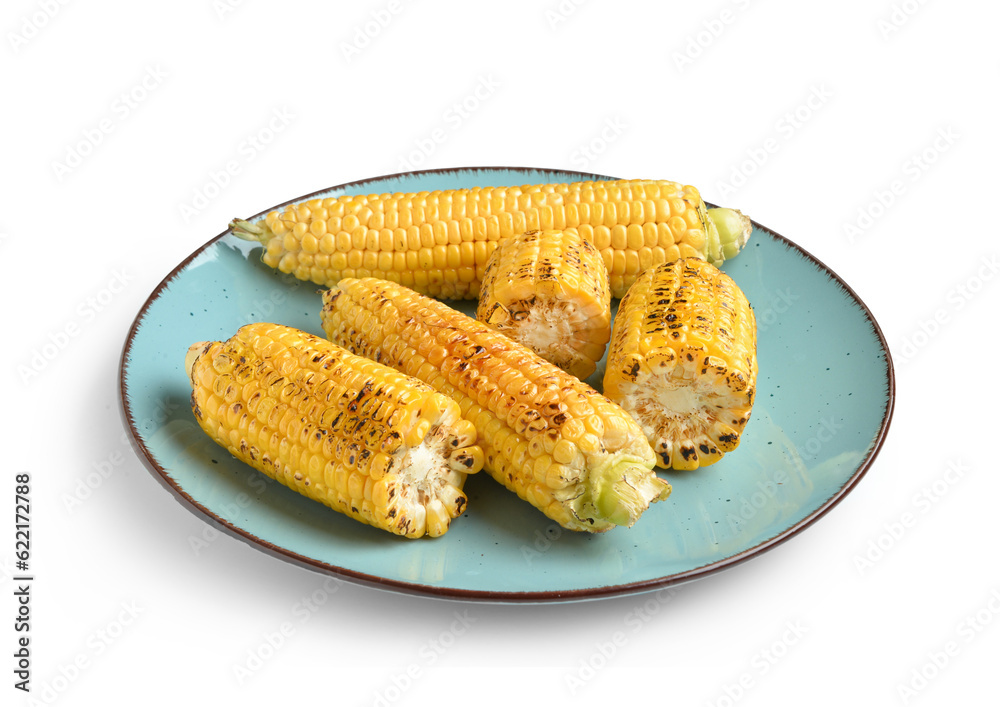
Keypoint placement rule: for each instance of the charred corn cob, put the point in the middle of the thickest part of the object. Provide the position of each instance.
(438, 242)
(359, 437)
(549, 290)
(683, 361)
(553, 440)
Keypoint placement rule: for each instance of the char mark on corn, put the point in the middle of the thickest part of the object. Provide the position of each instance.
(359, 437)
(553, 440)
(549, 290)
(683, 361)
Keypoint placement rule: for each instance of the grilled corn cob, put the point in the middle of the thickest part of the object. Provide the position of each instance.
(359, 437)
(553, 440)
(549, 290)
(683, 361)
(438, 242)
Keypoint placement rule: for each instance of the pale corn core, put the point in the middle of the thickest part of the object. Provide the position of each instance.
(683, 362)
(549, 290)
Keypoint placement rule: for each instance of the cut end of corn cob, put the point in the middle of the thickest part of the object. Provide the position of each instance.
(624, 490)
(683, 362)
(361, 438)
(547, 436)
(729, 231)
(549, 290)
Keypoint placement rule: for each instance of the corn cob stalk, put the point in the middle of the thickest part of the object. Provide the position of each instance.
(683, 361)
(438, 242)
(553, 440)
(549, 290)
(359, 437)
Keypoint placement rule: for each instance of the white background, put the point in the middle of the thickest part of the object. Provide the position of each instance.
(903, 96)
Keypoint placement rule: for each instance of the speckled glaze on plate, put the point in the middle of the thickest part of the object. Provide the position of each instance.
(824, 403)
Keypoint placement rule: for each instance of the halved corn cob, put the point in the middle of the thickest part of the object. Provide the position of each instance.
(553, 440)
(549, 290)
(683, 361)
(361, 438)
(438, 242)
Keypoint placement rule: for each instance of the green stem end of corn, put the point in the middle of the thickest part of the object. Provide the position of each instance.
(734, 229)
(623, 490)
(242, 228)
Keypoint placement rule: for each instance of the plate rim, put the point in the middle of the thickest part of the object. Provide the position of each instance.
(481, 595)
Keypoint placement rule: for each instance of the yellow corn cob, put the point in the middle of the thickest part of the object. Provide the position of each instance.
(683, 361)
(549, 290)
(359, 437)
(438, 242)
(553, 440)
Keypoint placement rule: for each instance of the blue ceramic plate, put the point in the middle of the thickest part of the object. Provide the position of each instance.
(824, 402)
